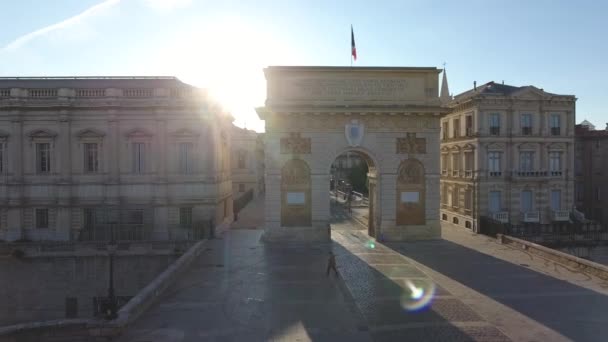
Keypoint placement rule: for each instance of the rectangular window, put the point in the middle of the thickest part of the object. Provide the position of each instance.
(468, 161)
(455, 162)
(444, 162)
(526, 201)
(526, 124)
(555, 124)
(138, 157)
(556, 200)
(135, 216)
(241, 187)
(456, 128)
(185, 217)
(185, 155)
(494, 201)
(42, 218)
(456, 199)
(579, 191)
(469, 126)
(88, 218)
(1, 157)
(526, 161)
(91, 158)
(468, 199)
(555, 161)
(494, 163)
(444, 131)
(494, 124)
(242, 155)
(43, 157)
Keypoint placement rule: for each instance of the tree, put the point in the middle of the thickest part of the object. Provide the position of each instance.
(357, 177)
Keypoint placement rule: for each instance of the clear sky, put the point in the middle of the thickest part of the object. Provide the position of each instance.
(561, 46)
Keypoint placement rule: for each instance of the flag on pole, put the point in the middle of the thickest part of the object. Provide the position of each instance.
(353, 48)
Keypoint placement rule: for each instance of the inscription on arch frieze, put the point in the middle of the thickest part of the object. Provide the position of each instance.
(346, 88)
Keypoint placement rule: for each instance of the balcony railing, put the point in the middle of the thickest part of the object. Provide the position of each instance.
(494, 130)
(556, 173)
(531, 173)
(500, 216)
(555, 130)
(469, 131)
(444, 172)
(526, 130)
(455, 173)
(531, 216)
(495, 173)
(468, 173)
(560, 215)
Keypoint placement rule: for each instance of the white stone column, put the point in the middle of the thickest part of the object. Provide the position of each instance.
(15, 186)
(112, 195)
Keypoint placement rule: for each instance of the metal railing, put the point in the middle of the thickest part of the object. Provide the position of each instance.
(553, 235)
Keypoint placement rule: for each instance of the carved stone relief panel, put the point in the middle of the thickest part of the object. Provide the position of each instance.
(411, 144)
(411, 194)
(296, 204)
(295, 144)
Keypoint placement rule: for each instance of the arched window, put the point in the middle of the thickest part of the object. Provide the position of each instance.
(411, 193)
(295, 194)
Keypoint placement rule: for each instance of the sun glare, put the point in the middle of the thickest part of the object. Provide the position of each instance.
(227, 58)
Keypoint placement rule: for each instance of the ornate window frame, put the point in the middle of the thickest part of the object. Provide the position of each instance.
(139, 136)
(90, 136)
(42, 136)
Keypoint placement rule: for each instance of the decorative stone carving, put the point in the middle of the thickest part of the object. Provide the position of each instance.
(295, 144)
(354, 131)
(411, 144)
(411, 172)
(411, 190)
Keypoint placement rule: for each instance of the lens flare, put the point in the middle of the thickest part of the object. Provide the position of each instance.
(417, 294)
(370, 244)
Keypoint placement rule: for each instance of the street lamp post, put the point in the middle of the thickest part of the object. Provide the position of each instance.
(112, 306)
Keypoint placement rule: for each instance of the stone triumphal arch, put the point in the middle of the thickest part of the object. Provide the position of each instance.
(389, 115)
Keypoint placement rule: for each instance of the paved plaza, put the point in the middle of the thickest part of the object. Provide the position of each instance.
(240, 289)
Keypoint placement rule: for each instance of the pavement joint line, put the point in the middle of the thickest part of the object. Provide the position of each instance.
(417, 325)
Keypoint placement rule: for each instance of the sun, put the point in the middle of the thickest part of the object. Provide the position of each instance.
(227, 57)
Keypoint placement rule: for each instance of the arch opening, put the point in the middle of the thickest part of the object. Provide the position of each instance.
(353, 192)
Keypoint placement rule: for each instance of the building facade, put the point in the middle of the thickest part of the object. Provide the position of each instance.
(591, 172)
(247, 162)
(149, 155)
(387, 115)
(507, 153)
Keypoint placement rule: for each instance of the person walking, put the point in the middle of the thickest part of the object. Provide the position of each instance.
(331, 264)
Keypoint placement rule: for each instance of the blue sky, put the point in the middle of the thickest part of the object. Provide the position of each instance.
(223, 45)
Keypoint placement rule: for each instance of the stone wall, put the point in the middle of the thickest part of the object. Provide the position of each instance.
(35, 289)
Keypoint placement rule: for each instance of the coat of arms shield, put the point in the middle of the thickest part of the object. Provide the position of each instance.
(354, 132)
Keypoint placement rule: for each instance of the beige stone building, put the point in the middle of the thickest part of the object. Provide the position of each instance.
(247, 162)
(591, 172)
(508, 153)
(149, 154)
(388, 115)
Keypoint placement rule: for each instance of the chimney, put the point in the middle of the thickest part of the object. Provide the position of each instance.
(475, 85)
(607, 126)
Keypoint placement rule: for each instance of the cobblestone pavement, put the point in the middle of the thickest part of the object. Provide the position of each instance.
(377, 279)
(242, 290)
(252, 216)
